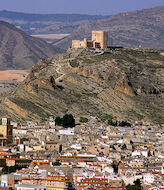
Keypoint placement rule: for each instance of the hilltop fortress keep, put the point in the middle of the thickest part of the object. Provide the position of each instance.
(99, 40)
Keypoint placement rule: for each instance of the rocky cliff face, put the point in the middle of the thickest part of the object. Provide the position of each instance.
(127, 83)
(19, 50)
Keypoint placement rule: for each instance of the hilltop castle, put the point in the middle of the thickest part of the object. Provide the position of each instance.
(99, 40)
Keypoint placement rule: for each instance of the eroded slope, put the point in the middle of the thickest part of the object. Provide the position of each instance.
(127, 83)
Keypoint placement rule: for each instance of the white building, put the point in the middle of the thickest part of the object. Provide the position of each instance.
(69, 131)
(148, 178)
(30, 187)
(140, 153)
(76, 146)
(19, 131)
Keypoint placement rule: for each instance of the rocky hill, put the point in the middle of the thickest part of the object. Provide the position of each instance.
(140, 28)
(19, 50)
(127, 83)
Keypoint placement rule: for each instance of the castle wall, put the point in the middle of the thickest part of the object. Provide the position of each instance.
(79, 43)
(99, 40)
(100, 37)
(76, 43)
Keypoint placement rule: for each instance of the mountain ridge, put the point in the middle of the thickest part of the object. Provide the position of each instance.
(47, 23)
(19, 50)
(13, 15)
(130, 29)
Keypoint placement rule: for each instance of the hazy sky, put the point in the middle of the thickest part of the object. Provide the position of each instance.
(106, 7)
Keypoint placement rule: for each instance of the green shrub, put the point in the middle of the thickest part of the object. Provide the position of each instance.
(124, 123)
(57, 163)
(107, 117)
(74, 63)
(111, 122)
(83, 120)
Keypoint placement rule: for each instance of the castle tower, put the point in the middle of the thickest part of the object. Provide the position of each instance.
(100, 39)
(6, 130)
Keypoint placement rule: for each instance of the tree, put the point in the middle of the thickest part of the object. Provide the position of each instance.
(71, 186)
(124, 123)
(131, 142)
(115, 167)
(137, 182)
(57, 163)
(11, 169)
(107, 117)
(149, 153)
(136, 186)
(68, 121)
(133, 148)
(124, 147)
(116, 124)
(110, 122)
(58, 121)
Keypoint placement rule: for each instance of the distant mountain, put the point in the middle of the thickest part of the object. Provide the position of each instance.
(48, 17)
(35, 23)
(140, 28)
(19, 50)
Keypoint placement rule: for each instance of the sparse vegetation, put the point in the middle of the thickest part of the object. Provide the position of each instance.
(116, 123)
(74, 63)
(107, 117)
(83, 120)
(113, 123)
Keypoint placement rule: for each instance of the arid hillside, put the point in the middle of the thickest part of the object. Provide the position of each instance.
(126, 83)
(19, 50)
(143, 28)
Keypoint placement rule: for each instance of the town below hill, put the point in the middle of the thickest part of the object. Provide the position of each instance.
(91, 118)
(88, 153)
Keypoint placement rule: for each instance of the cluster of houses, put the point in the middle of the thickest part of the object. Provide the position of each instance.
(92, 155)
